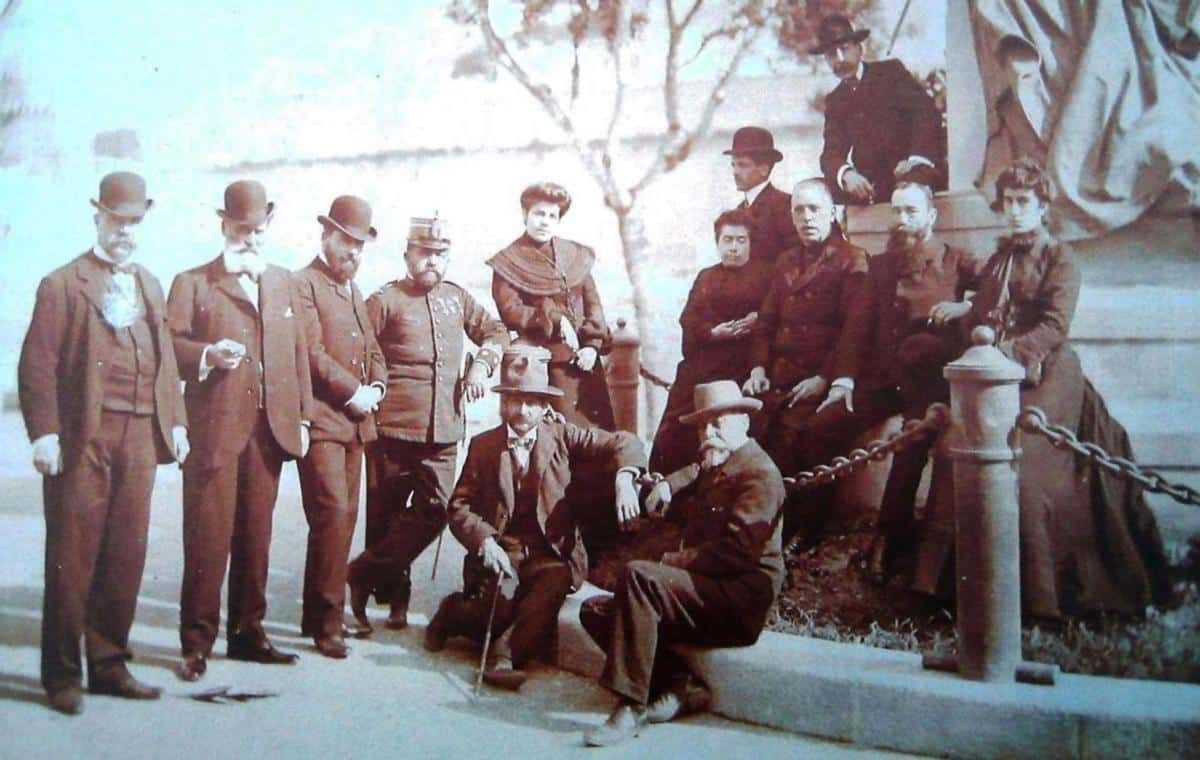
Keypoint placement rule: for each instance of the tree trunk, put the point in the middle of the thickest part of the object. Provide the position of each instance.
(634, 249)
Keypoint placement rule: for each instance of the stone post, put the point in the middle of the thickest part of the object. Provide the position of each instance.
(984, 403)
(624, 376)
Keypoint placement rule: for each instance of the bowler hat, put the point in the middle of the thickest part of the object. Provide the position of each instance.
(246, 203)
(526, 369)
(718, 397)
(754, 141)
(123, 194)
(351, 215)
(834, 30)
(428, 232)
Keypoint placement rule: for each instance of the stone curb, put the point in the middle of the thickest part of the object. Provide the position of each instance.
(882, 698)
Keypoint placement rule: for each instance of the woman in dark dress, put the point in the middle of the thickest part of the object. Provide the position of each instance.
(544, 292)
(1089, 543)
(718, 323)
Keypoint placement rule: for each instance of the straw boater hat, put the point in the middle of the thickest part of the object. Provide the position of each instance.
(719, 397)
(834, 30)
(756, 142)
(246, 203)
(123, 194)
(526, 369)
(352, 216)
(428, 232)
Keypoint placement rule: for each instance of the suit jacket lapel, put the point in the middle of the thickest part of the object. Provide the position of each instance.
(504, 473)
(93, 281)
(537, 469)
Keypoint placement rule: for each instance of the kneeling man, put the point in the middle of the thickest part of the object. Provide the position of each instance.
(716, 590)
(510, 512)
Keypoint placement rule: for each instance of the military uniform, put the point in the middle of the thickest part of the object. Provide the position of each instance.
(420, 422)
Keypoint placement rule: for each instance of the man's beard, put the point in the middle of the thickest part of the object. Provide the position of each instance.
(714, 452)
(902, 240)
(344, 271)
(427, 279)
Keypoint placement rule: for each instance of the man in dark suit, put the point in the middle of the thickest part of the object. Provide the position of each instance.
(917, 291)
(239, 335)
(349, 379)
(715, 591)
(880, 124)
(752, 158)
(99, 391)
(511, 512)
(419, 322)
(812, 327)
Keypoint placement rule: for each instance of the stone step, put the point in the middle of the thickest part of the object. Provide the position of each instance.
(1128, 371)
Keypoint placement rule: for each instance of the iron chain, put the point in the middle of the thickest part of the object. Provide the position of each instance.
(1033, 420)
(936, 418)
(654, 379)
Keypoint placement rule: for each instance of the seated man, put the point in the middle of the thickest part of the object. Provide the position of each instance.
(812, 324)
(718, 321)
(510, 512)
(717, 590)
(917, 289)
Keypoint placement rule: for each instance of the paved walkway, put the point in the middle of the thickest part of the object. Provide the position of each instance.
(390, 698)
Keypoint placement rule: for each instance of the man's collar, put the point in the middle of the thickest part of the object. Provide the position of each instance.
(861, 71)
(753, 193)
(531, 436)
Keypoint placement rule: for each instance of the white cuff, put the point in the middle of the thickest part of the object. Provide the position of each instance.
(205, 367)
(47, 437)
(844, 382)
(634, 471)
(921, 160)
(841, 174)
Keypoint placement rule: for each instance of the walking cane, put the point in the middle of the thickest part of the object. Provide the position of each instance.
(437, 552)
(487, 636)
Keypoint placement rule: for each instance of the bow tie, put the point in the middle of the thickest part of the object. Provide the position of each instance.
(124, 267)
(1021, 242)
(520, 443)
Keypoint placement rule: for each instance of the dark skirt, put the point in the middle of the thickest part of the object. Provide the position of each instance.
(1089, 542)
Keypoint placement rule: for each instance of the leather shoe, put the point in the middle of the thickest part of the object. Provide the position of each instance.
(438, 629)
(67, 700)
(504, 676)
(263, 652)
(333, 646)
(687, 697)
(357, 630)
(193, 666)
(397, 619)
(125, 687)
(624, 723)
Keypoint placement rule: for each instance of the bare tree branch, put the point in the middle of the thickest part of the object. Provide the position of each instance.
(545, 97)
(616, 44)
(677, 146)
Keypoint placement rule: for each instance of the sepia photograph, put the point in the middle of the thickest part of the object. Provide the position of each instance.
(628, 378)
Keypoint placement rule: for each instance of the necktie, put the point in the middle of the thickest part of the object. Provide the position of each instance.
(520, 448)
(745, 204)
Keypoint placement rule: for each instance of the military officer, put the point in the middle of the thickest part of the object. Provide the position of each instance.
(419, 322)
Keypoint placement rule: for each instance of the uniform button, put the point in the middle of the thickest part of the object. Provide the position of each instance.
(354, 361)
(99, 364)
(353, 334)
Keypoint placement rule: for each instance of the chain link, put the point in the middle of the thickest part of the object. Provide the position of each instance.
(654, 379)
(936, 419)
(1034, 421)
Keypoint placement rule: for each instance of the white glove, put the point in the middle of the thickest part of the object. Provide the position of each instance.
(47, 455)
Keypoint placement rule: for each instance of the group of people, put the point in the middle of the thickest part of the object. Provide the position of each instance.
(797, 338)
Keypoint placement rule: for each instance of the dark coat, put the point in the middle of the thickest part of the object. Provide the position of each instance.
(902, 296)
(814, 319)
(535, 286)
(342, 353)
(207, 304)
(483, 500)
(718, 295)
(1089, 543)
(421, 335)
(771, 228)
(885, 118)
(730, 516)
(62, 367)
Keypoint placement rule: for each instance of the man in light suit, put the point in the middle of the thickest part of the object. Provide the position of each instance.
(349, 379)
(510, 510)
(99, 392)
(239, 336)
